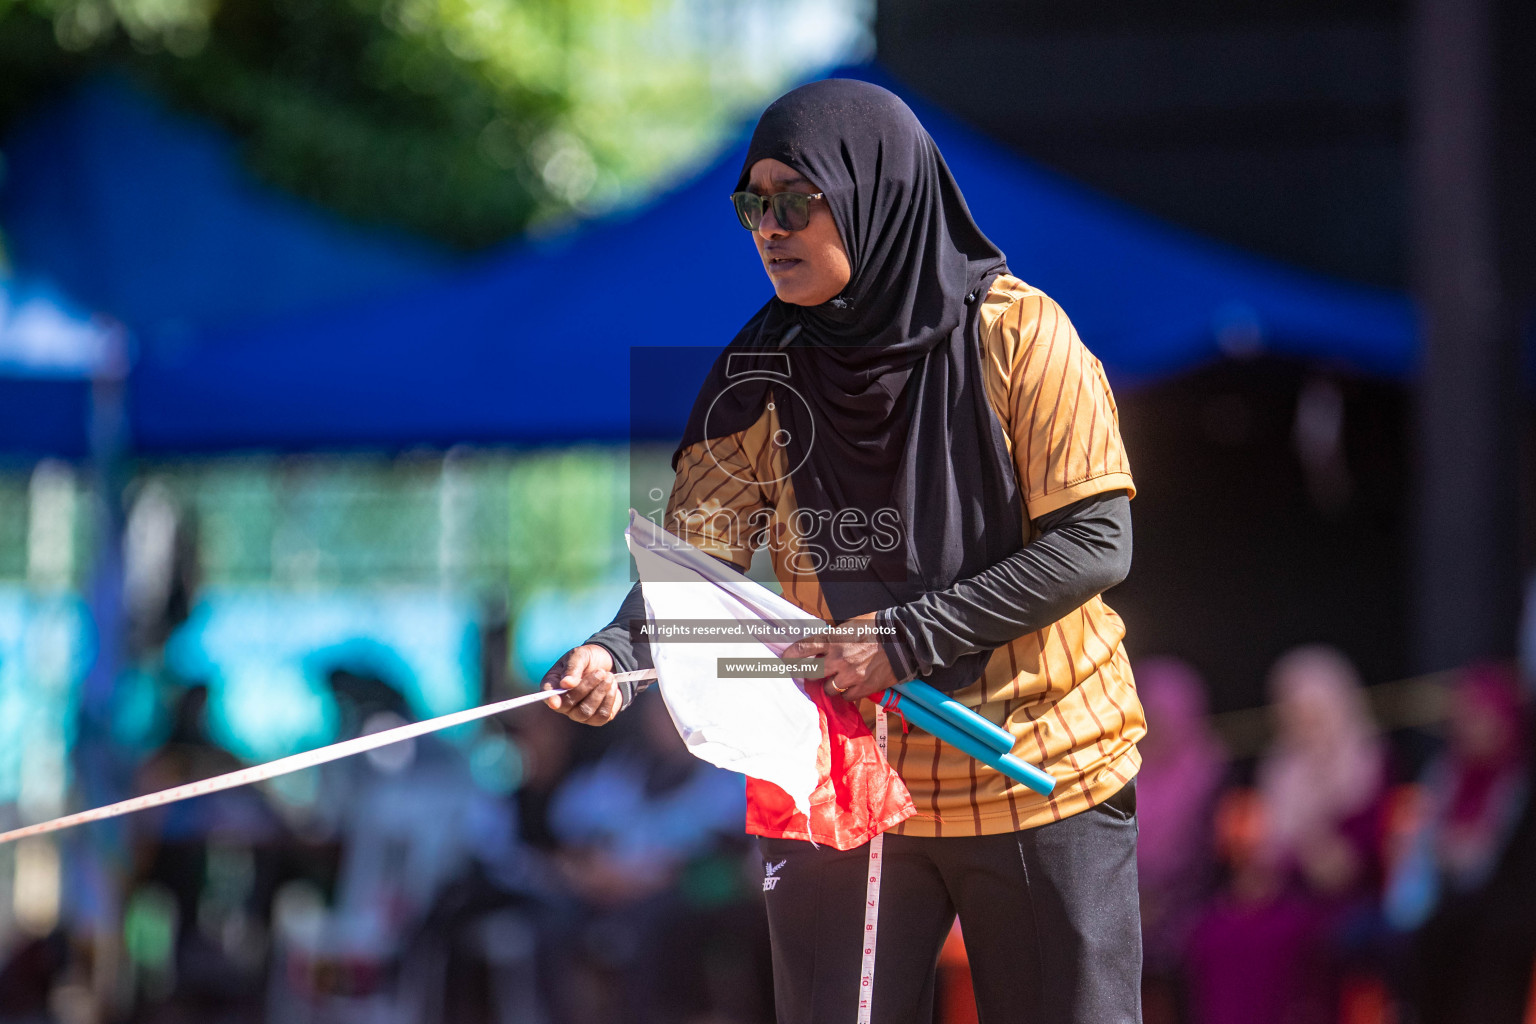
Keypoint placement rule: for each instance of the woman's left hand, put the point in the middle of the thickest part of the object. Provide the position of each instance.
(854, 668)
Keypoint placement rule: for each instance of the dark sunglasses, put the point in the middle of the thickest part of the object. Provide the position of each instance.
(792, 210)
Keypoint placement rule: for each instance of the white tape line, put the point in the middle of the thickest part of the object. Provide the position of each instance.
(293, 763)
(872, 898)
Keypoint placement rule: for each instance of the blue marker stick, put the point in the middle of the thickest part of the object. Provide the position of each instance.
(958, 738)
(946, 707)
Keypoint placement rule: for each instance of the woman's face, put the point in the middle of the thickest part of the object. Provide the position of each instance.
(809, 266)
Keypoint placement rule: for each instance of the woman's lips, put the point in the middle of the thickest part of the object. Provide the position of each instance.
(778, 263)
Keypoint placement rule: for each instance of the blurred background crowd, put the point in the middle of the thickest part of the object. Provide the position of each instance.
(336, 337)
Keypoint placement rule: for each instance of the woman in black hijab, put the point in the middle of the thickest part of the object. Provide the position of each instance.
(886, 368)
(975, 464)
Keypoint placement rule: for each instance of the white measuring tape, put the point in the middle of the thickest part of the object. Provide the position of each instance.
(293, 763)
(872, 898)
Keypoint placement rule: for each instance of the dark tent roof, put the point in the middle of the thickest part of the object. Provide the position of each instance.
(148, 215)
(533, 343)
(49, 352)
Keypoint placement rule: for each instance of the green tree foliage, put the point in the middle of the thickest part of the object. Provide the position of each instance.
(464, 120)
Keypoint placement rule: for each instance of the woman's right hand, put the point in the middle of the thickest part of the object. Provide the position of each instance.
(583, 681)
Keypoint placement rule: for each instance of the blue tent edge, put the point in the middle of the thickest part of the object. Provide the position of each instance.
(530, 344)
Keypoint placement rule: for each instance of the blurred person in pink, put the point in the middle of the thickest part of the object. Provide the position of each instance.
(1465, 879)
(1182, 770)
(1323, 781)
(1269, 950)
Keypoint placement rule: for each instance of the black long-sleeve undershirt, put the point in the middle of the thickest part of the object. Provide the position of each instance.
(1083, 549)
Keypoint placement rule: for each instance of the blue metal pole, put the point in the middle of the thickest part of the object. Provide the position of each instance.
(955, 736)
(946, 707)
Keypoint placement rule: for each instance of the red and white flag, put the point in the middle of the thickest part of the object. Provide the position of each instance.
(813, 769)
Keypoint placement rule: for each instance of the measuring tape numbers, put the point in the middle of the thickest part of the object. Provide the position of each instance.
(296, 762)
(872, 897)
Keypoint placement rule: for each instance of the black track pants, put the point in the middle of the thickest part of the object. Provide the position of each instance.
(1050, 917)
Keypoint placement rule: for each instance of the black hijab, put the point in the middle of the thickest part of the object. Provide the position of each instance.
(880, 390)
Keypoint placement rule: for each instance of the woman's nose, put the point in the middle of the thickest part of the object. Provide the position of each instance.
(768, 227)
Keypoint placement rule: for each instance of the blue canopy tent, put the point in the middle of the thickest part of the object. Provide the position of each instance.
(50, 354)
(533, 343)
(147, 215)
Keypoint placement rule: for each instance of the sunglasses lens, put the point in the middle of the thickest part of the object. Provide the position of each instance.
(791, 210)
(749, 209)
